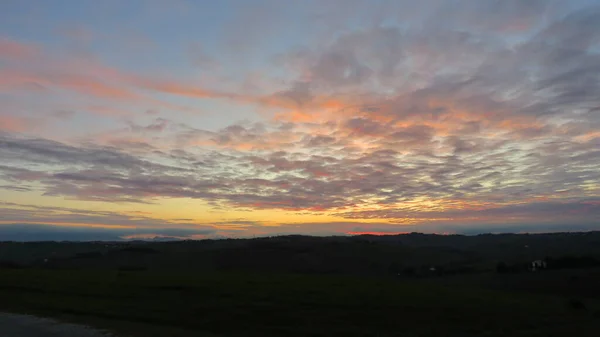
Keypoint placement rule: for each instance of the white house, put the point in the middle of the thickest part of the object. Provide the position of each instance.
(538, 264)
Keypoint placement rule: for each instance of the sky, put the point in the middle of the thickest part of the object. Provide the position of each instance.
(211, 119)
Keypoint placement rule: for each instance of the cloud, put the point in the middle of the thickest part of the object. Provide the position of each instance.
(40, 150)
(90, 77)
(10, 49)
(43, 68)
(15, 188)
(158, 125)
(16, 124)
(403, 113)
(45, 232)
(558, 212)
(75, 217)
(78, 82)
(320, 180)
(63, 114)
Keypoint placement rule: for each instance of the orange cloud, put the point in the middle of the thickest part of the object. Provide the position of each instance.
(588, 136)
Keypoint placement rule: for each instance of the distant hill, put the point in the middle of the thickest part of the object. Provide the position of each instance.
(406, 254)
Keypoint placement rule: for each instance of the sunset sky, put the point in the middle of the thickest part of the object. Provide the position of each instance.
(203, 119)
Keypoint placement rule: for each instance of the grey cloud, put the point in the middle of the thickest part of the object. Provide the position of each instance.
(494, 16)
(63, 114)
(365, 126)
(20, 174)
(299, 93)
(318, 141)
(44, 150)
(412, 136)
(338, 68)
(16, 188)
(425, 56)
(158, 125)
(131, 145)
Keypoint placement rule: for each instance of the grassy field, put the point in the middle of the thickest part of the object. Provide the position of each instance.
(147, 303)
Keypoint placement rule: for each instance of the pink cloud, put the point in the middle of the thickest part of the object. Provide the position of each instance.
(16, 50)
(95, 87)
(171, 87)
(89, 85)
(16, 124)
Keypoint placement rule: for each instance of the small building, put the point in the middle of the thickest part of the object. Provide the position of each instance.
(538, 264)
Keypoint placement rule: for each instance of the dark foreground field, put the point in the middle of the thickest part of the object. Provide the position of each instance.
(228, 304)
(311, 287)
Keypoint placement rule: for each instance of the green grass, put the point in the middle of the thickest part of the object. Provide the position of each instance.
(243, 304)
